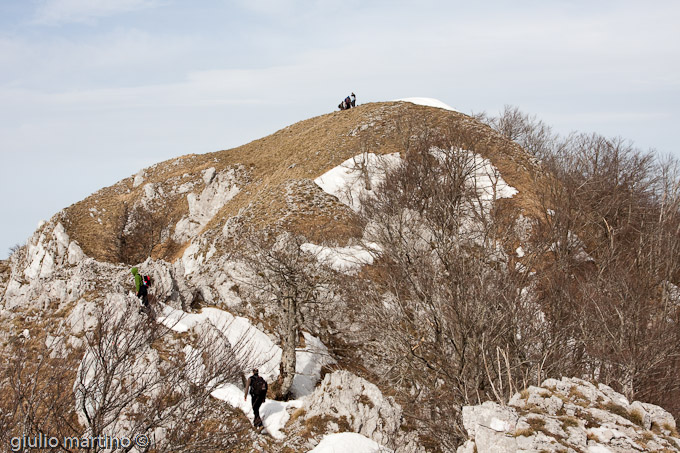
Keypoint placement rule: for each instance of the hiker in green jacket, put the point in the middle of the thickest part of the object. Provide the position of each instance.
(140, 287)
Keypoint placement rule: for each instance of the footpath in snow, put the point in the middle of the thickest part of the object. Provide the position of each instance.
(261, 353)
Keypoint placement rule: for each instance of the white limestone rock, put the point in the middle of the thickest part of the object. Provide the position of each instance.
(570, 415)
(362, 404)
(219, 189)
(139, 178)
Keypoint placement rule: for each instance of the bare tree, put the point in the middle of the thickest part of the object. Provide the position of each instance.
(441, 301)
(131, 378)
(292, 280)
(528, 131)
(607, 281)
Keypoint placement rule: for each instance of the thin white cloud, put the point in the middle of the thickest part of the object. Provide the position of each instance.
(52, 12)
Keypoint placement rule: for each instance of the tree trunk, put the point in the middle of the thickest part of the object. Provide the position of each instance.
(289, 343)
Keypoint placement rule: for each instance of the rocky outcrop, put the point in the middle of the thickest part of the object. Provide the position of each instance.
(569, 415)
(360, 407)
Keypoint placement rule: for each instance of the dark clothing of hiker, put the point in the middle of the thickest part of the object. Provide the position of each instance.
(258, 393)
(348, 102)
(140, 288)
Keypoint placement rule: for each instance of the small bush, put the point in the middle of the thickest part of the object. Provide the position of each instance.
(300, 412)
(668, 427)
(636, 417)
(366, 401)
(589, 420)
(526, 432)
(576, 394)
(569, 422)
(536, 423)
(616, 409)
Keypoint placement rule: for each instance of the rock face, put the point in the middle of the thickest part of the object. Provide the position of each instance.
(569, 415)
(362, 406)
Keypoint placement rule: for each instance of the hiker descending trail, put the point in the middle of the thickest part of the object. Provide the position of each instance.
(258, 392)
(142, 284)
(349, 102)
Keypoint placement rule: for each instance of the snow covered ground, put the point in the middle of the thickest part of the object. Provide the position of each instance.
(343, 259)
(428, 102)
(354, 179)
(348, 442)
(261, 352)
(348, 180)
(274, 414)
(252, 346)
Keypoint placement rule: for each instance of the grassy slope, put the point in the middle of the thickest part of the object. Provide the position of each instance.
(280, 164)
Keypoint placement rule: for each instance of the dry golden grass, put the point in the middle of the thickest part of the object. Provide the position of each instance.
(284, 164)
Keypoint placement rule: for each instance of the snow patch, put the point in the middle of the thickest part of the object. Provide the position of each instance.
(348, 181)
(485, 177)
(343, 259)
(308, 363)
(274, 414)
(251, 345)
(429, 102)
(254, 347)
(346, 442)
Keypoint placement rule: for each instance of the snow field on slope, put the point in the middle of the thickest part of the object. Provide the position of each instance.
(343, 259)
(348, 442)
(347, 182)
(256, 349)
(485, 178)
(253, 346)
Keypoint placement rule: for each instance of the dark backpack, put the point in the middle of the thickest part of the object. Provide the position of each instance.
(348, 101)
(147, 280)
(258, 386)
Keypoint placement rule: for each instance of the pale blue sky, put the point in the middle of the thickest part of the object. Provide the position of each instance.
(91, 91)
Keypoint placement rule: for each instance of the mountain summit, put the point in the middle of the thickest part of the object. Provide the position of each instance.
(159, 211)
(387, 268)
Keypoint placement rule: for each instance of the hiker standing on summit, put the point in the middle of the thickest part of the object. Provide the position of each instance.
(258, 392)
(349, 102)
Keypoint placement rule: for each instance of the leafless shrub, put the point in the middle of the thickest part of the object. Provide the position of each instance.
(16, 247)
(444, 306)
(132, 377)
(606, 284)
(526, 130)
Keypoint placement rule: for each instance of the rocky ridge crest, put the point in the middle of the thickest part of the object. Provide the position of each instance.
(569, 415)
